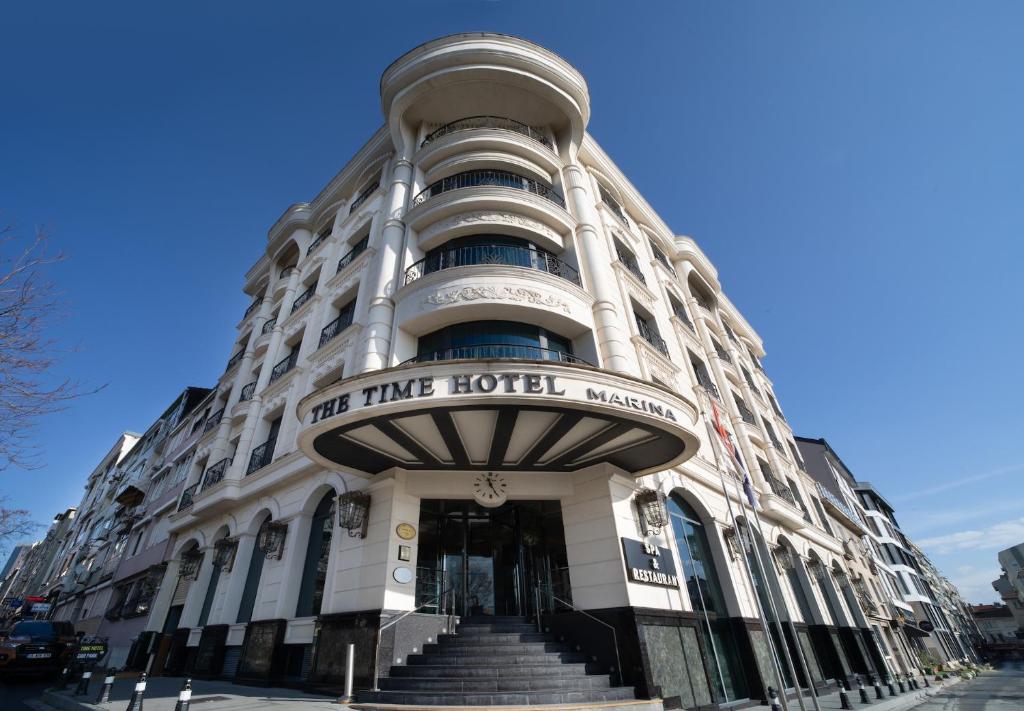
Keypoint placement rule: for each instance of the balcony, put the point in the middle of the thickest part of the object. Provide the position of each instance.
(662, 259)
(613, 205)
(252, 307)
(320, 239)
(745, 414)
(213, 420)
(721, 352)
(498, 351)
(247, 392)
(704, 381)
(284, 366)
(651, 335)
(335, 327)
(356, 250)
(497, 178)
(780, 489)
(494, 254)
(215, 473)
(627, 260)
(840, 507)
(302, 298)
(268, 326)
(186, 497)
(365, 194)
(261, 456)
(492, 122)
(234, 360)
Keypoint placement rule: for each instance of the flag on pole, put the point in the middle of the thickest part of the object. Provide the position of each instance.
(732, 455)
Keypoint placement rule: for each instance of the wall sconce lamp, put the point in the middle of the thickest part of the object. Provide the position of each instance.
(353, 512)
(271, 539)
(224, 553)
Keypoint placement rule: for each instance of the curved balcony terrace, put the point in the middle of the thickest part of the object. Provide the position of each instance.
(494, 178)
(497, 254)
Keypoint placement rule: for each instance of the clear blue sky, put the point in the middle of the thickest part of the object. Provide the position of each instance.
(854, 170)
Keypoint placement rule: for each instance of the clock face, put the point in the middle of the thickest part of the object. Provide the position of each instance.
(490, 489)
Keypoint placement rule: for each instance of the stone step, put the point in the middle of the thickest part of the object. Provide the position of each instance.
(512, 698)
(485, 648)
(491, 628)
(572, 669)
(495, 620)
(495, 685)
(496, 638)
(491, 660)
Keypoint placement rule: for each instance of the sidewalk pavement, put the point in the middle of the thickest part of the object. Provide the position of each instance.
(162, 695)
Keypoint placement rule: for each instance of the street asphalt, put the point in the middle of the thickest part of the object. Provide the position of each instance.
(1000, 690)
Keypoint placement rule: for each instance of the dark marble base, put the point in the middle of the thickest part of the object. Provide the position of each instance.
(210, 653)
(262, 659)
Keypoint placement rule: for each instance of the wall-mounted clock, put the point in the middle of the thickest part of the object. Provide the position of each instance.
(490, 489)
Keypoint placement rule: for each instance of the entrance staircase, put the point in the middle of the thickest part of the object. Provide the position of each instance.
(496, 661)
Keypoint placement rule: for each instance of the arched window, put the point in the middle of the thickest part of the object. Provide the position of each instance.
(252, 579)
(705, 590)
(211, 592)
(318, 552)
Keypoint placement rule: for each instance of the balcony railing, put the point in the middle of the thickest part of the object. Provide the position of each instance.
(496, 254)
(704, 380)
(745, 414)
(651, 335)
(839, 504)
(252, 307)
(186, 497)
(247, 392)
(284, 366)
(302, 298)
(720, 350)
(235, 360)
(213, 420)
(628, 260)
(365, 194)
(288, 271)
(477, 178)
(356, 250)
(335, 327)
(662, 259)
(315, 244)
(216, 473)
(268, 326)
(779, 488)
(261, 456)
(498, 122)
(613, 205)
(497, 351)
(680, 313)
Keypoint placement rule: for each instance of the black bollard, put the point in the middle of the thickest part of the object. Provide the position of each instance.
(108, 682)
(912, 680)
(64, 675)
(888, 683)
(774, 696)
(924, 676)
(863, 692)
(184, 696)
(137, 695)
(83, 684)
(899, 683)
(878, 687)
(844, 699)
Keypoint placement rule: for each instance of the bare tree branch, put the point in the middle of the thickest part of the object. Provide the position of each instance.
(28, 307)
(15, 525)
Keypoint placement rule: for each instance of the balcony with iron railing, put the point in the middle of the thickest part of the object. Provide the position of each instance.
(662, 259)
(492, 178)
(680, 313)
(304, 297)
(497, 351)
(488, 122)
(315, 244)
(721, 352)
(284, 366)
(261, 456)
(335, 327)
(252, 307)
(780, 488)
(839, 505)
(186, 497)
(496, 255)
(704, 381)
(216, 473)
(247, 392)
(650, 334)
(628, 260)
(213, 420)
(613, 205)
(351, 255)
(364, 195)
(745, 414)
(268, 326)
(234, 360)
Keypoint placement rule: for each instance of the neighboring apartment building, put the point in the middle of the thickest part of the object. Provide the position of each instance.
(38, 561)
(838, 504)
(1010, 585)
(472, 381)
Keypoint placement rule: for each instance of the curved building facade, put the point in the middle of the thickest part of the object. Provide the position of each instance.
(468, 363)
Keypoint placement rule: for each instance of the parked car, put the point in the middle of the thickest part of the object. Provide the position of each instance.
(36, 646)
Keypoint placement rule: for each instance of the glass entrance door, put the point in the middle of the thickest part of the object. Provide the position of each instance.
(490, 559)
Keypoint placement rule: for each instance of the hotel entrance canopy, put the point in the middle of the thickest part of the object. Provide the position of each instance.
(496, 415)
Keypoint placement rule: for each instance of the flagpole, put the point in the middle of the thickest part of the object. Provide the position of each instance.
(745, 564)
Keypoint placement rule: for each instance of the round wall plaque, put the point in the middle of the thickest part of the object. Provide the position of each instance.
(406, 531)
(402, 575)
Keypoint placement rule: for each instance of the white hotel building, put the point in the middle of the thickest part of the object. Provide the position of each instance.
(482, 337)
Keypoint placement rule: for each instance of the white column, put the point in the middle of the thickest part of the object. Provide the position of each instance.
(197, 591)
(291, 565)
(617, 353)
(236, 580)
(162, 600)
(382, 280)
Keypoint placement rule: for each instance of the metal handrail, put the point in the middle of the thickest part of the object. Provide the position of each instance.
(492, 254)
(496, 351)
(499, 122)
(499, 178)
(615, 637)
(436, 599)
